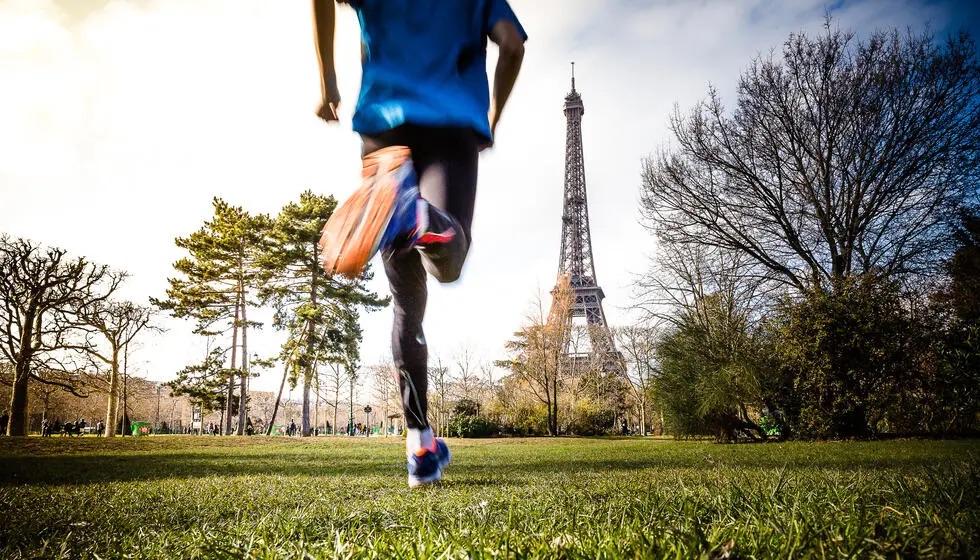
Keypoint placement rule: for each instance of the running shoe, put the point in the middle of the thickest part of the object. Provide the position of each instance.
(425, 465)
(383, 214)
(442, 452)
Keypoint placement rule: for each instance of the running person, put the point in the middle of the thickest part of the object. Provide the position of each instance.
(424, 112)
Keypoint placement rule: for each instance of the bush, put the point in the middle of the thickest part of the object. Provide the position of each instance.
(466, 407)
(590, 418)
(475, 426)
(525, 419)
(849, 355)
(709, 372)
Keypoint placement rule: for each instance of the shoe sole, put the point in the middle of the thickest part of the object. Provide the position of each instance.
(415, 482)
(352, 234)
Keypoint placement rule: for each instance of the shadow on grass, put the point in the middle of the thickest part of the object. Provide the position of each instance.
(480, 470)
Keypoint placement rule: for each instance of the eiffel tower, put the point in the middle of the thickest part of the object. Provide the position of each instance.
(576, 242)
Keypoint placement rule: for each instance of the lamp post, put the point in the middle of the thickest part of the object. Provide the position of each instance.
(367, 421)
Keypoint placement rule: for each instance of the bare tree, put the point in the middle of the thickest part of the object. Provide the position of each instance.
(684, 274)
(638, 345)
(490, 383)
(584, 371)
(466, 380)
(441, 381)
(705, 305)
(335, 381)
(41, 292)
(537, 350)
(261, 405)
(117, 323)
(386, 389)
(842, 156)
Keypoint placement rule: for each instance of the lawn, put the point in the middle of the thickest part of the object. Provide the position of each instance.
(167, 497)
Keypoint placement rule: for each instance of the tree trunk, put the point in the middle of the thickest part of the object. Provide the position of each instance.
(243, 378)
(231, 376)
(17, 424)
(553, 407)
(306, 409)
(275, 407)
(643, 418)
(47, 405)
(308, 373)
(310, 344)
(316, 408)
(336, 405)
(350, 425)
(554, 418)
(112, 407)
(156, 420)
(384, 423)
(125, 392)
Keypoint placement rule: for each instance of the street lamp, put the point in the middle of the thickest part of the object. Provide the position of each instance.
(367, 420)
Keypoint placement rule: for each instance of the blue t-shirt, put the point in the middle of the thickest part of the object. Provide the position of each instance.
(424, 62)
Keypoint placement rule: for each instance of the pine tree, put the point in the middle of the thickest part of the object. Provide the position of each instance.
(217, 287)
(204, 382)
(321, 312)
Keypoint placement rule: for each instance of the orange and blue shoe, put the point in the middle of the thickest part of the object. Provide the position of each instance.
(383, 214)
(425, 466)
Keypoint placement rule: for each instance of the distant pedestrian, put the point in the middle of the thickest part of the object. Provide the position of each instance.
(45, 428)
(100, 428)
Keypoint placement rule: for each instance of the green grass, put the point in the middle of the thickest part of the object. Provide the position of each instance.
(168, 497)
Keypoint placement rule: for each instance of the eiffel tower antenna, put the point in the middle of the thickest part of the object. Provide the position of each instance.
(576, 239)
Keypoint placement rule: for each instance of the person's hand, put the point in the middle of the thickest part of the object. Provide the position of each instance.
(328, 111)
(331, 101)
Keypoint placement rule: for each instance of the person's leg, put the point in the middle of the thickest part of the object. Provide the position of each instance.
(444, 161)
(406, 277)
(446, 164)
(407, 281)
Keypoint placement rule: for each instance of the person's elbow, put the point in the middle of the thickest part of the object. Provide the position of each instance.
(513, 51)
(509, 40)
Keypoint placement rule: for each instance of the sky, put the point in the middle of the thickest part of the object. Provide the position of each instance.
(121, 119)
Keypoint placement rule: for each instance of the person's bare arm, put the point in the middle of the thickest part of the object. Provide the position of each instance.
(323, 30)
(511, 43)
